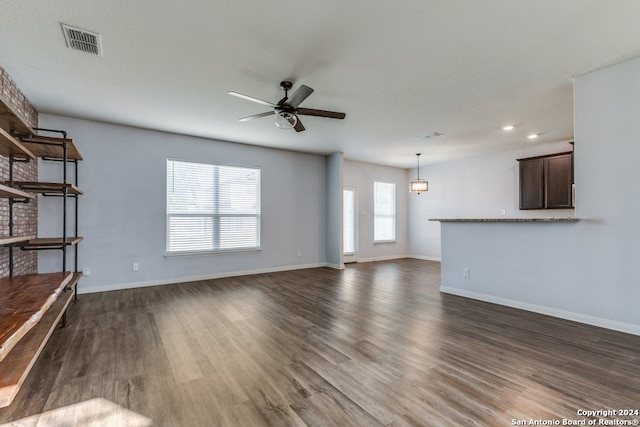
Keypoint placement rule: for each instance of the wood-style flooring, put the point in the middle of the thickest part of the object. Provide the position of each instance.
(373, 345)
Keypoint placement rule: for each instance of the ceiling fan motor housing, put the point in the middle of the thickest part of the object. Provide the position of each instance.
(285, 111)
(286, 85)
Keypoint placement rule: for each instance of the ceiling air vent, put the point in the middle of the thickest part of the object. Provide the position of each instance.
(430, 135)
(82, 40)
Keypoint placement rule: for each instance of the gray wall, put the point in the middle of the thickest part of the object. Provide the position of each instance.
(334, 210)
(583, 271)
(122, 214)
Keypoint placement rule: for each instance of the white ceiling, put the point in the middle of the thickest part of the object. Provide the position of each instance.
(398, 70)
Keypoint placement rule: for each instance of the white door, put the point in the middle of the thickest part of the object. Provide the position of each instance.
(349, 227)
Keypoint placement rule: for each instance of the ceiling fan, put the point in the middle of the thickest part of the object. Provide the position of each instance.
(287, 109)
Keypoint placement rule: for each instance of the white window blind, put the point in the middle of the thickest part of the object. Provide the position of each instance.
(212, 208)
(384, 212)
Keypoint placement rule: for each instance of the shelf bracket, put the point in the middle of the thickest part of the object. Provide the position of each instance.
(21, 136)
(14, 200)
(47, 248)
(63, 132)
(20, 160)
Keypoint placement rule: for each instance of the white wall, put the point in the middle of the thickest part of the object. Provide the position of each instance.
(122, 214)
(478, 187)
(362, 176)
(584, 271)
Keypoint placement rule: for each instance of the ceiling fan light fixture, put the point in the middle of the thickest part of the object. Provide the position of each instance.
(286, 120)
(286, 110)
(418, 185)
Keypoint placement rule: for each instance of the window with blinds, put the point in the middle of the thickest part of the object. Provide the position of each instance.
(212, 208)
(384, 212)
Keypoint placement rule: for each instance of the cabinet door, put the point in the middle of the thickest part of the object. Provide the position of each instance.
(532, 183)
(558, 172)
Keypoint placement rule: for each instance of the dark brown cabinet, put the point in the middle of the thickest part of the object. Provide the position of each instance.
(546, 182)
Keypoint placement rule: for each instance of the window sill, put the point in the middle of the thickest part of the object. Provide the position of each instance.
(208, 253)
(384, 242)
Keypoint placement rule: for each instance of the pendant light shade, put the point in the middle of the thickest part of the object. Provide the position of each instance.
(418, 185)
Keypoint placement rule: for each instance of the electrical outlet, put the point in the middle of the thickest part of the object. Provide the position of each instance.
(299, 252)
(135, 266)
(86, 271)
(466, 273)
(503, 211)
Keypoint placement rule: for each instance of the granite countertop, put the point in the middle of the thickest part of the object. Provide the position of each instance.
(550, 219)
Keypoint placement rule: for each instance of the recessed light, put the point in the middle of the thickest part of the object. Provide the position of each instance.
(508, 127)
(533, 136)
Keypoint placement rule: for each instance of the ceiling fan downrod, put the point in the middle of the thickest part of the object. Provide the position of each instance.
(286, 87)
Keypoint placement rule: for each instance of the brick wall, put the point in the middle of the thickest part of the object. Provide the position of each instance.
(15, 99)
(25, 216)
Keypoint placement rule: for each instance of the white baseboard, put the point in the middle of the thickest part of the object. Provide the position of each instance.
(382, 258)
(425, 258)
(120, 286)
(392, 257)
(554, 312)
(336, 266)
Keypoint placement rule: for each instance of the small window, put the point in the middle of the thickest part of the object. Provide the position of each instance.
(384, 212)
(212, 208)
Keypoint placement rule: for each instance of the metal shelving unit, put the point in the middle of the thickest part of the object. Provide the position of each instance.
(37, 303)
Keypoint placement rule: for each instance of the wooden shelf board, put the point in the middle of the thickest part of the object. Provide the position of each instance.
(16, 366)
(43, 242)
(74, 281)
(47, 187)
(7, 240)
(11, 121)
(12, 192)
(23, 302)
(11, 146)
(37, 144)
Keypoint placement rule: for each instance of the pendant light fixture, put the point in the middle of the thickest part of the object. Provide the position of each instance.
(418, 185)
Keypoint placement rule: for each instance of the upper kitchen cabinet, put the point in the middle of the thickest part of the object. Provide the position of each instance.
(546, 182)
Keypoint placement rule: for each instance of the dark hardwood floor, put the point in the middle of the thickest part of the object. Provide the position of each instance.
(375, 344)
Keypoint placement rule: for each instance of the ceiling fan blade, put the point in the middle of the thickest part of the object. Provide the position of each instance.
(320, 113)
(256, 116)
(251, 98)
(299, 127)
(299, 95)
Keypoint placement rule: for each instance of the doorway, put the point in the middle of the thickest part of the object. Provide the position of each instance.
(349, 227)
